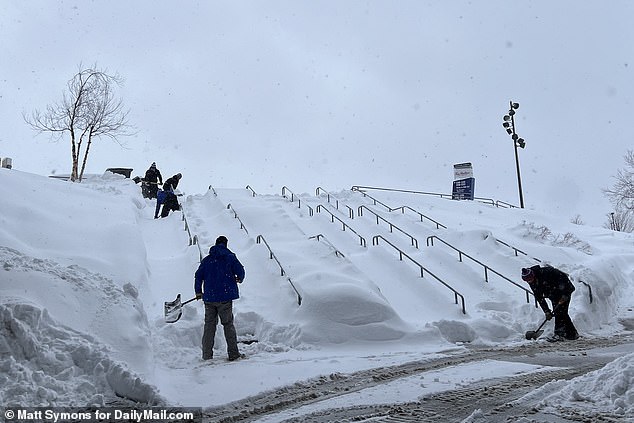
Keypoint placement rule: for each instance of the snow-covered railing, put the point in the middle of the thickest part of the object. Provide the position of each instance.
(422, 216)
(374, 200)
(193, 239)
(343, 224)
(487, 269)
(235, 215)
(392, 226)
(251, 189)
(375, 241)
(318, 237)
(200, 251)
(515, 249)
(329, 196)
(299, 201)
(272, 256)
(402, 209)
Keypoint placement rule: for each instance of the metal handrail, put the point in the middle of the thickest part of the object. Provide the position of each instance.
(402, 208)
(517, 250)
(375, 241)
(235, 215)
(251, 189)
(487, 269)
(200, 251)
(272, 256)
(193, 239)
(504, 204)
(374, 200)
(450, 196)
(344, 224)
(299, 201)
(318, 238)
(414, 241)
(438, 225)
(422, 216)
(212, 189)
(189, 234)
(589, 289)
(350, 209)
(328, 196)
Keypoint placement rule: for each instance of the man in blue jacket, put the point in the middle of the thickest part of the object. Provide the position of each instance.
(551, 283)
(216, 282)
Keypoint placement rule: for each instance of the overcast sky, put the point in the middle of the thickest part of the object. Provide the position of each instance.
(373, 92)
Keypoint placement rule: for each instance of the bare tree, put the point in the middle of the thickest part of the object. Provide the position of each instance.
(622, 196)
(88, 110)
(622, 192)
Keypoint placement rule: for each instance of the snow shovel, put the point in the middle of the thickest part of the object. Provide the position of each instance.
(174, 309)
(534, 334)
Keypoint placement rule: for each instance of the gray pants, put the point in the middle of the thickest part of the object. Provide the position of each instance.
(223, 310)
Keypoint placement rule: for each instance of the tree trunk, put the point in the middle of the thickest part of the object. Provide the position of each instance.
(83, 164)
(74, 152)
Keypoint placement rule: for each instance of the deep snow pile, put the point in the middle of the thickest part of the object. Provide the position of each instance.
(61, 323)
(86, 270)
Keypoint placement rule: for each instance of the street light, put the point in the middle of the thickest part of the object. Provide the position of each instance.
(509, 125)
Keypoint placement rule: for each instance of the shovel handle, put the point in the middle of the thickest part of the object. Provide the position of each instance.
(545, 320)
(188, 301)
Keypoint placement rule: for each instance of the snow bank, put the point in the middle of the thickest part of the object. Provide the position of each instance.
(607, 390)
(44, 363)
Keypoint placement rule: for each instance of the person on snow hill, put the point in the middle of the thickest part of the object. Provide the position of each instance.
(551, 283)
(216, 282)
(167, 197)
(153, 178)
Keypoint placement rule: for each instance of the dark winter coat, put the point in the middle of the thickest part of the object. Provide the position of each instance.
(153, 175)
(550, 283)
(217, 275)
(171, 184)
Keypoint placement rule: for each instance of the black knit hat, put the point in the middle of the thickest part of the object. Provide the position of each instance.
(527, 274)
(222, 240)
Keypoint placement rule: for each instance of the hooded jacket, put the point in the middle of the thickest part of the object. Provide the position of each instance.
(550, 283)
(216, 276)
(153, 175)
(172, 183)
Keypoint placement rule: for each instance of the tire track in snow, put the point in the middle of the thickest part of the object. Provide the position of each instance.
(494, 397)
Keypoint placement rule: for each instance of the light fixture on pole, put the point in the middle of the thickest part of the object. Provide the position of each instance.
(509, 125)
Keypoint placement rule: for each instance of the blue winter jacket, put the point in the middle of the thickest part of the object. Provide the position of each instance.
(217, 275)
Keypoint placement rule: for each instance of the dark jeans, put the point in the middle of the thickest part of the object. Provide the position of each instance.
(223, 310)
(563, 323)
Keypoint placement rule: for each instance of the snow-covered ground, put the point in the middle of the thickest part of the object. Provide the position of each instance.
(86, 270)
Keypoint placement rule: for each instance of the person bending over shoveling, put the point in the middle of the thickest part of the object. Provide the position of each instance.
(551, 283)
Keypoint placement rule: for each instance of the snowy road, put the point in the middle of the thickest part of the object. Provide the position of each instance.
(505, 399)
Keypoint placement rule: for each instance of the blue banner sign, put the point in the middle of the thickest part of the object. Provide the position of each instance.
(463, 189)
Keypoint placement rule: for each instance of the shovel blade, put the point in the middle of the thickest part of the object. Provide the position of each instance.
(533, 334)
(173, 310)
